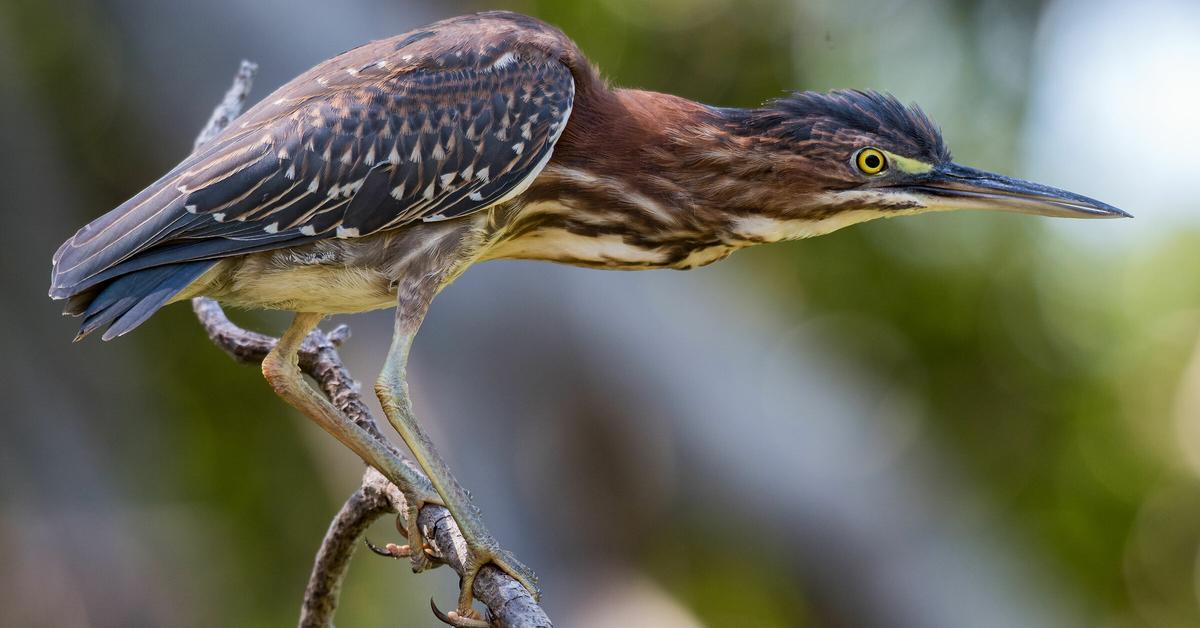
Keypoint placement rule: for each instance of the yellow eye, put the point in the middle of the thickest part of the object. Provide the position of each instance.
(871, 161)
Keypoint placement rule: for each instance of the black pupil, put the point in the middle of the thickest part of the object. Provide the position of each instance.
(872, 161)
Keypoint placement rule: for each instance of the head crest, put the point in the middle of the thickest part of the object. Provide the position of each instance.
(803, 116)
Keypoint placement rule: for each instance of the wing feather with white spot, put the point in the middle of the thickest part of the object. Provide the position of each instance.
(355, 146)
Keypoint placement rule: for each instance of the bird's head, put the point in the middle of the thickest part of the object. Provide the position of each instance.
(824, 161)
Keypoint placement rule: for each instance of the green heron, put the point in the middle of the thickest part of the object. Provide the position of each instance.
(377, 177)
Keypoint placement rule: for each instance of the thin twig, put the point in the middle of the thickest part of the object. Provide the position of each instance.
(231, 104)
(333, 558)
(510, 604)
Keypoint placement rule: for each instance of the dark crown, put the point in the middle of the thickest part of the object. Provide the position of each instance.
(804, 116)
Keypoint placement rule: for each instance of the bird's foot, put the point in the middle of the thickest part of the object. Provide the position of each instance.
(417, 550)
(483, 550)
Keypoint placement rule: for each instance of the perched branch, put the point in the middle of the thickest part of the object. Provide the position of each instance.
(510, 604)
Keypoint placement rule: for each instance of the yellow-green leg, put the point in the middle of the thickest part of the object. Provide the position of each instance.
(281, 368)
(392, 388)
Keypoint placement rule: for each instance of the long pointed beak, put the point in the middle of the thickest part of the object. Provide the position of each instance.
(952, 186)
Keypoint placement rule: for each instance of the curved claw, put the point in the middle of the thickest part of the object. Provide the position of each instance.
(407, 526)
(390, 550)
(457, 619)
(381, 551)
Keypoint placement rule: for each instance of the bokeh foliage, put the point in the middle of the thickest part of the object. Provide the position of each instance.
(1055, 374)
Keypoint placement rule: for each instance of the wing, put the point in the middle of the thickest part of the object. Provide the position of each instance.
(398, 131)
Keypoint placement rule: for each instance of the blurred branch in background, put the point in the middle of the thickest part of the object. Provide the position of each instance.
(510, 603)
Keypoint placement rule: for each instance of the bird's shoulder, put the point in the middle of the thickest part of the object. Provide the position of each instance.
(434, 56)
(429, 125)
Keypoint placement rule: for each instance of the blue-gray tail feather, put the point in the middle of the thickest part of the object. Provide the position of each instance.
(127, 301)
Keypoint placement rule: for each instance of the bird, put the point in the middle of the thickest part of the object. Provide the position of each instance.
(377, 177)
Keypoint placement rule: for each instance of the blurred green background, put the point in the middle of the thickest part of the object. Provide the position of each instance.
(949, 420)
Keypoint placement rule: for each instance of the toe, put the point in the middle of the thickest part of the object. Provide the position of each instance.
(460, 619)
(390, 550)
(508, 563)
